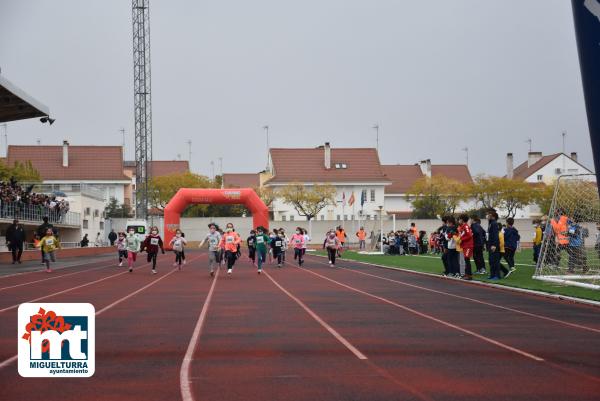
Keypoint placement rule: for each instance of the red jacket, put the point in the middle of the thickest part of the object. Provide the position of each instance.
(152, 243)
(466, 236)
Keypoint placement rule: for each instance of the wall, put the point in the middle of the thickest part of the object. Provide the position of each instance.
(6, 257)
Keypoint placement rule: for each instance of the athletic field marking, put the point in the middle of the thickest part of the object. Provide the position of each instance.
(575, 325)
(43, 269)
(184, 372)
(55, 277)
(429, 317)
(327, 327)
(15, 357)
(71, 289)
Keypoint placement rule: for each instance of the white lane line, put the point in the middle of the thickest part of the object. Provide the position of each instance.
(575, 325)
(429, 317)
(55, 277)
(327, 327)
(43, 269)
(184, 372)
(70, 289)
(15, 357)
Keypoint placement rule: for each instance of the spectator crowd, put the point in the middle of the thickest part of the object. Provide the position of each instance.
(21, 202)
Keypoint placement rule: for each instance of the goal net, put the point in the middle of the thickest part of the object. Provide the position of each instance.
(570, 252)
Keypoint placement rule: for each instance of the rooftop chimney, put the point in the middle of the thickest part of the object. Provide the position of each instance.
(509, 166)
(574, 156)
(65, 154)
(426, 167)
(533, 157)
(327, 149)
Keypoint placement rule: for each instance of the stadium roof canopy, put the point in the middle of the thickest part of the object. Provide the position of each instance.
(15, 104)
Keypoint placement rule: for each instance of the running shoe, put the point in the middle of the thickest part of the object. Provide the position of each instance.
(279, 265)
(174, 264)
(121, 264)
(259, 271)
(212, 274)
(330, 262)
(153, 271)
(184, 261)
(130, 270)
(229, 271)
(48, 270)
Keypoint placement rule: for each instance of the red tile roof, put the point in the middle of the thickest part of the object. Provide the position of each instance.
(160, 168)
(241, 180)
(403, 176)
(522, 171)
(86, 163)
(307, 165)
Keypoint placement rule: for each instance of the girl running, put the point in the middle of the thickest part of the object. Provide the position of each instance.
(297, 242)
(178, 243)
(262, 244)
(151, 245)
(286, 242)
(251, 242)
(270, 250)
(230, 242)
(213, 238)
(332, 244)
(306, 241)
(132, 245)
(48, 244)
(121, 248)
(277, 247)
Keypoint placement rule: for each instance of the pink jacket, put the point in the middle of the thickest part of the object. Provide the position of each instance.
(297, 240)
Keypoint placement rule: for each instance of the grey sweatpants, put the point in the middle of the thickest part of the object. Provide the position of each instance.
(212, 259)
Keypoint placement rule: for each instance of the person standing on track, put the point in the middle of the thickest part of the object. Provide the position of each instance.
(277, 246)
(297, 241)
(15, 237)
(331, 243)
(466, 243)
(49, 243)
(121, 248)
(262, 246)
(213, 238)
(178, 243)
(361, 234)
(230, 242)
(151, 244)
(132, 244)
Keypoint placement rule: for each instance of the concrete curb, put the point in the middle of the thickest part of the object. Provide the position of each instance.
(484, 284)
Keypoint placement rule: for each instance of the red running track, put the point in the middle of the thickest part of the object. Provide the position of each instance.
(355, 332)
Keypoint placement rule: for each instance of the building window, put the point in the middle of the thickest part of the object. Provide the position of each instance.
(374, 217)
(322, 217)
(88, 211)
(363, 195)
(96, 213)
(372, 195)
(339, 217)
(539, 177)
(102, 225)
(85, 224)
(345, 217)
(283, 218)
(292, 217)
(368, 217)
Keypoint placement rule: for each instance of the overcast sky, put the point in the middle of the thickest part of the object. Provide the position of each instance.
(437, 75)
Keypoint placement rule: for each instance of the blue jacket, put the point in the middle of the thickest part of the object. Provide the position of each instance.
(478, 234)
(511, 237)
(493, 237)
(575, 235)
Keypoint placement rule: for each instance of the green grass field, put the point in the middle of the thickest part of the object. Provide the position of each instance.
(522, 278)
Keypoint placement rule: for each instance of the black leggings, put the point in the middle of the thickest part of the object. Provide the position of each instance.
(252, 254)
(298, 253)
(178, 257)
(17, 251)
(332, 252)
(230, 257)
(152, 258)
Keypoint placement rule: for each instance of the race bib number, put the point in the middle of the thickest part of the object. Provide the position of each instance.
(260, 240)
(298, 241)
(250, 242)
(49, 242)
(277, 243)
(213, 241)
(154, 241)
(177, 243)
(229, 240)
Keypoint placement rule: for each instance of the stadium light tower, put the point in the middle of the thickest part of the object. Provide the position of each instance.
(142, 104)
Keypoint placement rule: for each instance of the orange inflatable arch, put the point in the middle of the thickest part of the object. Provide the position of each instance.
(191, 196)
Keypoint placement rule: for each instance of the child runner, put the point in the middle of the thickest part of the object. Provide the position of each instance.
(466, 243)
(178, 243)
(214, 238)
(306, 242)
(262, 243)
(132, 245)
(151, 245)
(276, 247)
(121, 248)
(331, 243)
(285, 243)
(48, 244)
(270, 250)
(251, 242)
(297, 241)
(230, 242)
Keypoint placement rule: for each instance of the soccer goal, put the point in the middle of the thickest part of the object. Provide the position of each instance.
(570, 252)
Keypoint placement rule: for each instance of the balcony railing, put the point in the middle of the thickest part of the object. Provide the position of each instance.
(35, 214)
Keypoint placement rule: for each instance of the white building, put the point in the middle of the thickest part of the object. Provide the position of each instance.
(355, 173)
(539, 168)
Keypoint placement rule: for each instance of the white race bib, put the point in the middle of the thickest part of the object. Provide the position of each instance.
(277, 243)
(229, 240)
(260, 240)
(154, 241)
(49, 242)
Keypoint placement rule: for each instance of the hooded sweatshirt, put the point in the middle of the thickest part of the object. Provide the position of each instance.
(152, 243)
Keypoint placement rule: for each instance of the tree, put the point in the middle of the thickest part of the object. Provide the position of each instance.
(266, 194)
(543, 195)
(503, 193)
(114, 210)
(162, 189)
(21, 172)
(308, 200)
(436, 196)
(486, 191)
